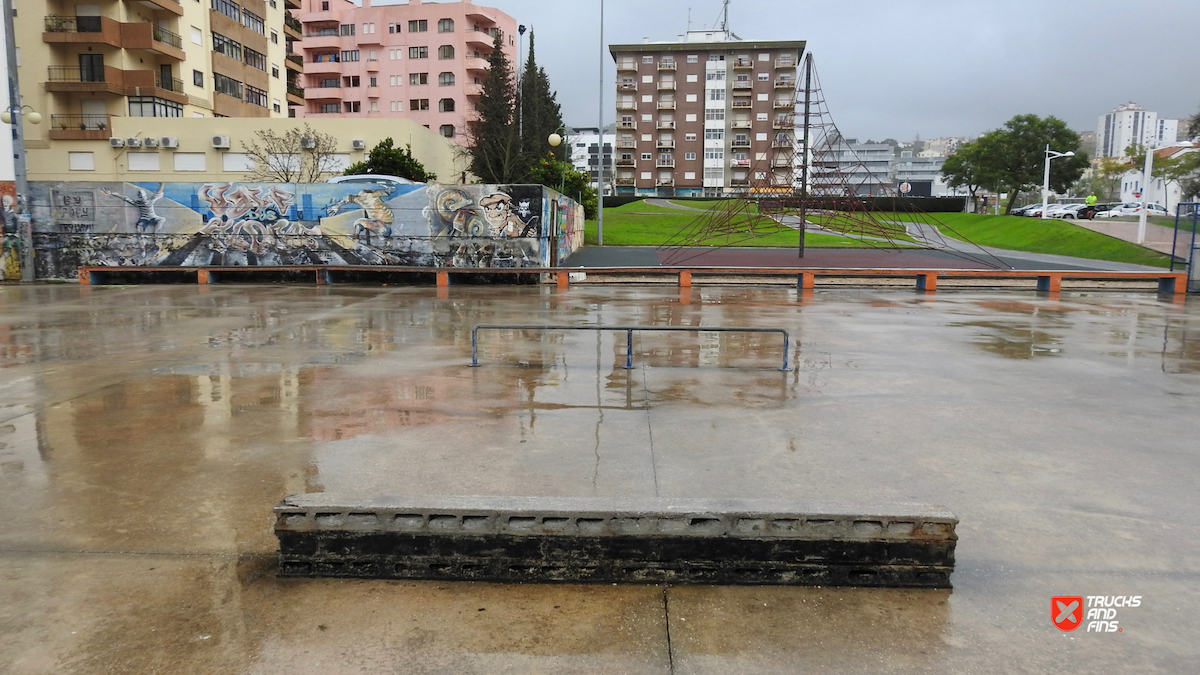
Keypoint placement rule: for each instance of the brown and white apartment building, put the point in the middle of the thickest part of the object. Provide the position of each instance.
(710, 115)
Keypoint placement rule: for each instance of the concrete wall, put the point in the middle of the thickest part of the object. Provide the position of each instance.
(227, 223)
(439, 155)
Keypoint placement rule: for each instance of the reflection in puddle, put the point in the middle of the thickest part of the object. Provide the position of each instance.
(1014, 342)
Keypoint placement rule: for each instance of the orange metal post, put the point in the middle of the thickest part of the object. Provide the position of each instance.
(685, 278)
(562, 279)
(443, 279)
(202, 276)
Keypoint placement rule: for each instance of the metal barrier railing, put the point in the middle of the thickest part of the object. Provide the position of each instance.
(628, 337)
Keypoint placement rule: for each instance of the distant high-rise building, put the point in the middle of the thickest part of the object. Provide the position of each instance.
(421, 61)
(697, 117)
(1130, 124)
(586, 154)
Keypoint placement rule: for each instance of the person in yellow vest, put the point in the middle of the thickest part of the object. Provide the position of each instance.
(1090, 211)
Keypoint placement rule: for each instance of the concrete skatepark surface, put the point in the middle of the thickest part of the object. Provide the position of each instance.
(148, 431)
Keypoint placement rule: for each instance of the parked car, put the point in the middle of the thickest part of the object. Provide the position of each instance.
(1035, 211)
(1072, 211)
(1103, 208)
(1020, 210)
(377, 179)
(1057, 210)
(1135, 209)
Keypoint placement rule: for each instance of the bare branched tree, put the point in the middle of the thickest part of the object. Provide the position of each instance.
(295, 156)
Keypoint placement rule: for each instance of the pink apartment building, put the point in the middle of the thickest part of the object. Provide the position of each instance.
(424, 61)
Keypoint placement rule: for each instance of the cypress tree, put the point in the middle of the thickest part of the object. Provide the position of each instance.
(541, 114)
(495, 148)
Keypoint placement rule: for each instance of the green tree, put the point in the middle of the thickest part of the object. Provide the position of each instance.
(965, 169)
(1193, 127)
(564, 177)
(1013, 156)
(494, 140)
(384, 159)
(1110, 171)
(541, 114)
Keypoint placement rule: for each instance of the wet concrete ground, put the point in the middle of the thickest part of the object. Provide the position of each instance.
(146, 432)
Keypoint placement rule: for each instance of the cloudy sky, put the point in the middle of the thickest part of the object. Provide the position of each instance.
(898, 68)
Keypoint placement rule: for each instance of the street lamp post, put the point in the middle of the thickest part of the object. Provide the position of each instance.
(1147, 176)
(600, 182)
(12, 115)
(1050, 154)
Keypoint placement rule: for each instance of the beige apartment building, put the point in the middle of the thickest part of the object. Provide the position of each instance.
(707, 116)
(85, 64)
(423, 61)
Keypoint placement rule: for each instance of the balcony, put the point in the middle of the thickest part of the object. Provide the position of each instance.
(475, 63)
(739, 162)
(785, 63)
(323, 66)
(627, 86)
(151, 38)
(479, 39)
(322, 40)
(296, 59)
(781, 143)
(626, 145)
(104, 79)
(626, 105)
(782, 163)
(739, 182)
(666, 182)
(740, 143)
(374, 92)
(666, 86)
(784, 123)
(785, 84)
(626, 125)
(172, 6)
(81, 30)
(664, 163)
(319, 93)
(662, 124)
(292, 27)
(743, 84)
(623, 66)
(625, 182)
(666, 105)
(666, 65)
(295, 95)
(740, 124)
(79, 127)
(742, 103)
(664, 144)
(785, 105)
(473, 89)
(626, 162)
(741, 64)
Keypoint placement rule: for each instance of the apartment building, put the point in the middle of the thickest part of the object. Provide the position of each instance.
(706, 116)
(1130, 124)
(84, 63)
(423, 61)
(844, 164)
(586, 154)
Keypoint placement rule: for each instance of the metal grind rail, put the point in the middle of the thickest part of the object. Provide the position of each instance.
(628, 335)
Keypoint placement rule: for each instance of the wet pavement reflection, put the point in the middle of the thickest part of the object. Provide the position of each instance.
(146, 432)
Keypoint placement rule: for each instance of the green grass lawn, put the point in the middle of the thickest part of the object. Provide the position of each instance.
(1035, 235)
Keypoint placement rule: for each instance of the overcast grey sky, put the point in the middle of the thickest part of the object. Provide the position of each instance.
(898, 68)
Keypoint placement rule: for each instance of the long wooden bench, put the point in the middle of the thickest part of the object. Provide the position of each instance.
(924, 279)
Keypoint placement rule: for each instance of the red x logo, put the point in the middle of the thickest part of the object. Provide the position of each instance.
(1066, 611)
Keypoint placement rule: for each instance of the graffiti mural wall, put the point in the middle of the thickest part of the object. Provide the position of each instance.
(10, 237)
(198, 224)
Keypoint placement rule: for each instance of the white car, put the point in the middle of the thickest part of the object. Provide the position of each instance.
(1057, 210)
(1069, 211)
(1134, 209)
(373, 178)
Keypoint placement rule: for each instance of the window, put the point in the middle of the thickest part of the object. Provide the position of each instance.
(224, 85)
(255, 59)
(275, 105)
(764, 57)
(144, 161)
(418, 78)
(689, 175)
(198, 78)
(149, 106)
(253, 22)
(689, 155)
(256, 96)
(446, 26)
(190, 161)
(446, 79)
(690, 117)
(350, 81)
(419, 26)
(274, 4)
(371, 56)
(714, 114)
(647, 155)
(330, 82)
(690, 98)
(197, 36)
(229, 9)
(689, 137)
(647, 59)
(374, 81)
(392, 28)
(325, 5)
(447, 130)
(446, 52)
(230, 48)
(716, 94)
(274, 38)
(350, 55)
(275, 71)
(346, 29)
(394, 54)
(714, 75)
(374, 107)
(693, 78)
(714, 153)
(330, 107)
(715, 57)
(396, 106)
(418, 52)
(81, 161)
(369, 28)
(418, 104)
(762, 77)
(714, 134)
(352, 106)
(446, 105)
(693, 58)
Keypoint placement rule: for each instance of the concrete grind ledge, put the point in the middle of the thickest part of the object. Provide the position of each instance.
(632, 540)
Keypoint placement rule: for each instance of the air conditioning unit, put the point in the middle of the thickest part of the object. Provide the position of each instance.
(150, 142)
(133, 142)
(170, 142)
(220, 142)
(359, 144)
(308, 143)
(116, 142)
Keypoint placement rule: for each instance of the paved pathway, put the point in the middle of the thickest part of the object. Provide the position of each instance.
(1158, 237)
(666, 204)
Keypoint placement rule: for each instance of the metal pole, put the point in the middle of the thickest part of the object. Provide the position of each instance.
(475, 347)
(1146, 178)
(628, 350)
(804, 149)
(600, 179)
(1046, 185)
(24, 223)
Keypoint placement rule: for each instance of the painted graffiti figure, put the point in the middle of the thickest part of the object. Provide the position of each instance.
(378, 216)
(503, 219)
(144, 203)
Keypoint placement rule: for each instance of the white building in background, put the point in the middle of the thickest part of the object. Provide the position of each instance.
(941, 147)
(1168, 195)
(585, 153)
(1130, 124)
